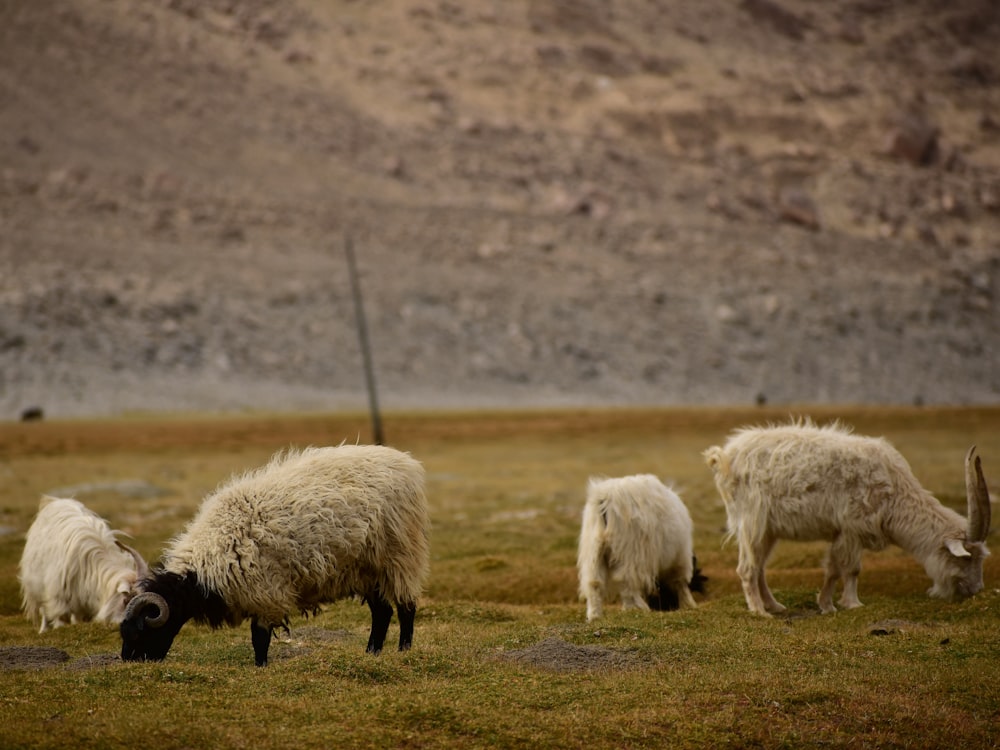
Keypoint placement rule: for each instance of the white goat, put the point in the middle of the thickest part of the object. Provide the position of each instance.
(635, 537)
(310, 527)
(803, 482)
(74, 569)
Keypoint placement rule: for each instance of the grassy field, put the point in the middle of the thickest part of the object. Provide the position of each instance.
(502, 655)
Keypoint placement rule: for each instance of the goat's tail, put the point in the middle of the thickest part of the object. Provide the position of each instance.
(716, 459)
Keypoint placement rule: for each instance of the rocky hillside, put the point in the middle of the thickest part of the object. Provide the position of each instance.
(552, 202)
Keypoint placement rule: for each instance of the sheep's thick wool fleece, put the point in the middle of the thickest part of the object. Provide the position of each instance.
(310, 527)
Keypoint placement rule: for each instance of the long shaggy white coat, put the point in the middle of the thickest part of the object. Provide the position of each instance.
(310, 527)
(635, 531)
(73, 567)
(803, 482)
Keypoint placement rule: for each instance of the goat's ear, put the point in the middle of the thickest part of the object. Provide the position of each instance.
(956, 548)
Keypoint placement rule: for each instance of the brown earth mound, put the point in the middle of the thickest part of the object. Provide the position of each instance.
(557, 655)
(31, 657)
(552, 202)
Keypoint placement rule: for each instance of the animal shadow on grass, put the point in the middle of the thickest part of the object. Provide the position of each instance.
(301, 641)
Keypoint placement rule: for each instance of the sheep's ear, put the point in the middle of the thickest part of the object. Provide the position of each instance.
(956, 548)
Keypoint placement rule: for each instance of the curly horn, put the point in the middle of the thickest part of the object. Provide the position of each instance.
(148, 597)
(978, 498)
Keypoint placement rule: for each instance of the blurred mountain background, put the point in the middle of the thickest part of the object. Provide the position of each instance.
(552, 202)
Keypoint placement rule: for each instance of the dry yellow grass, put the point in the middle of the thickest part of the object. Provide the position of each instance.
(506, 492)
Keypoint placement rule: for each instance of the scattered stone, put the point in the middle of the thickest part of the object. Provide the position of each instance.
(927, 235)
(778, 17)
(968, 64)
(850, 31)
(32, 414)
(797, 206)
(28, 144)
(913, 138)
(894, 627)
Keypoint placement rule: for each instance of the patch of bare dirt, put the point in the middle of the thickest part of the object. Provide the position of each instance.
(31, 657)
(552, 202)
(555, 654)
(46, 657)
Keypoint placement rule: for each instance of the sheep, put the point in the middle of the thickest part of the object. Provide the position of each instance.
(310, 527)
(74, 568)
(802, 482)
(635, 539)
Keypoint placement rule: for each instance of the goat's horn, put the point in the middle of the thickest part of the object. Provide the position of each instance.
(148, 597)
(978, 497)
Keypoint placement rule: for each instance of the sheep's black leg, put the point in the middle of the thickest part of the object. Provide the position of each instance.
(381, 614)
(407, 611)
(260, 637)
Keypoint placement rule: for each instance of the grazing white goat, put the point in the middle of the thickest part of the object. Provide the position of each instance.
(803, 482)
(635, 540)
(309, 527)
(74, 569)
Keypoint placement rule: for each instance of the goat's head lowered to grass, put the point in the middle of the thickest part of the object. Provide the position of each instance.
(961, 574)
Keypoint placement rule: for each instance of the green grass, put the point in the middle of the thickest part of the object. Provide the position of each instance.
(506, 491)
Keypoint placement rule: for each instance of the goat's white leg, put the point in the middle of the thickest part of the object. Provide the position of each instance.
(595, 601)
(593, 572)
(850, 568)
(771, 604)
(596, 588)
(831, 575)
(750, 570)
(843, 562)
(849, 599)
(632, 599)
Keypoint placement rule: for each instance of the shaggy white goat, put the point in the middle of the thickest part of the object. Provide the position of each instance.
(309, 527)
(635, 537)
(803, 482)
(74, 569)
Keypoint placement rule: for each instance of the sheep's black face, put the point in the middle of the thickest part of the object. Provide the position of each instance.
(143, 642)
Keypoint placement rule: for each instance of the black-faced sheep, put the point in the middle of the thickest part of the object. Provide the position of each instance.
(803, 482)
(635, 540)
(309, 527)
(74, 568)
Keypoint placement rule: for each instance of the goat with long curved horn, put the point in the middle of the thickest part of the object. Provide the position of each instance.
(802, 482)
(978, 497)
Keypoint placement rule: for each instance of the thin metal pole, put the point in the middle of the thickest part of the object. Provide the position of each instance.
(366, 354)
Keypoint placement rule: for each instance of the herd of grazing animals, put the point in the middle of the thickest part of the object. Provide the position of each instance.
(322, 524)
